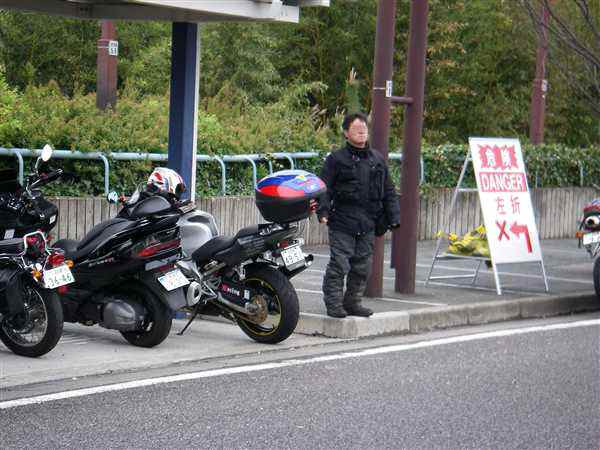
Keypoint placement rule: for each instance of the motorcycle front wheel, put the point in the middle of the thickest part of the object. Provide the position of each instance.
(36, 330)
(282, 307)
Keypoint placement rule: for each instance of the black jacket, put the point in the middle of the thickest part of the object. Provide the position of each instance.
(359, 191)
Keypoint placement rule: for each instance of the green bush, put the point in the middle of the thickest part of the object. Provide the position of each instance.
(228, 123)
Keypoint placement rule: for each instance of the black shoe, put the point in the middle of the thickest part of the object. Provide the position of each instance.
(336, 311)
(358, 310)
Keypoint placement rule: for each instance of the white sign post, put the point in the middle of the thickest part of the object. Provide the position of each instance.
(505, 202)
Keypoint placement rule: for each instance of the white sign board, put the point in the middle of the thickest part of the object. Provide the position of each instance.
(113, 48)
(505, 201)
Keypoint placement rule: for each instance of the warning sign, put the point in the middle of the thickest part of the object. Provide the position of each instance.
(505, 201)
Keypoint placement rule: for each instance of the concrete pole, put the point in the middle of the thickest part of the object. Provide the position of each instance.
(405, 240)
(108, 51)
(380, 116)
(540, 84)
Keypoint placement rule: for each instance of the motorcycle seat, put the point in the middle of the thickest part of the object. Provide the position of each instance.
(216, 244)
(99, 233)
(211, 247)
(12, 246)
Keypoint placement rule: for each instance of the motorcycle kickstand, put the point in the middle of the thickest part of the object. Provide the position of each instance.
(194, 315)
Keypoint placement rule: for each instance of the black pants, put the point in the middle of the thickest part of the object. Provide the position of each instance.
(351, 257)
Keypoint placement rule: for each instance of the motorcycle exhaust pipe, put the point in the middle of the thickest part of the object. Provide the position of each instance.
(248, 310)
(194, 293)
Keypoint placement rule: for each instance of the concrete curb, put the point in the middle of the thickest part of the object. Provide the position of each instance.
(427, 319)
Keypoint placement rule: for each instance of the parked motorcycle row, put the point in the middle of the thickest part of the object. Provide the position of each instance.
(158, 256)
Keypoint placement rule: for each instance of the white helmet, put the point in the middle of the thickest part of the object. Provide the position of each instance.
(166, 180)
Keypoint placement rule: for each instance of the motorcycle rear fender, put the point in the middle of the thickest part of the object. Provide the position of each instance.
(174, 299)
(11, 295)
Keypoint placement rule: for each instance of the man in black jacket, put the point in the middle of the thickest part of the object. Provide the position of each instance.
(360, 195)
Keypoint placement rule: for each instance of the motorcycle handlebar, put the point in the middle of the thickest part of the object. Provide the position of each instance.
(47, 178)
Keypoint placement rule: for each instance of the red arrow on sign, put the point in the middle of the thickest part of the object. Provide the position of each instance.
(522, 229)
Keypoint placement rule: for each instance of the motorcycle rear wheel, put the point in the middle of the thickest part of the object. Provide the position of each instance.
(157, 326)
(282, 303)
(36, 330)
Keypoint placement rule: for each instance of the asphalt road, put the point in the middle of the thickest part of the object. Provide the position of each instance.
(533, 384)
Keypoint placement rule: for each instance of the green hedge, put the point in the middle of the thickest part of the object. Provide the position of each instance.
(228, 124)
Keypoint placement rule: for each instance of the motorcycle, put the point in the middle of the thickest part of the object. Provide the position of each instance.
(124, 274)
(589, 237)
(31, 316)
(246, 278)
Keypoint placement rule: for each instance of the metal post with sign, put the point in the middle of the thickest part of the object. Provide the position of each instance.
(506, 205)
(108, 50)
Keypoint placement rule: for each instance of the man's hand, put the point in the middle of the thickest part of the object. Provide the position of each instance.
(323, 219)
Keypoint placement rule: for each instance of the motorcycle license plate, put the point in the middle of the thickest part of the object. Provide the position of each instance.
(58, 276)
(173, 280)
(591, 238)
(292, 255)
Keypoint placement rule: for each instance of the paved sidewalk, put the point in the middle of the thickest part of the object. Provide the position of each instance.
(454, 302)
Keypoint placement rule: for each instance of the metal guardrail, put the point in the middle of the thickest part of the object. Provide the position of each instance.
(252, 159)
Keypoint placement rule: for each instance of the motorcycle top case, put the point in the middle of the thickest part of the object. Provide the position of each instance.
(285, 196)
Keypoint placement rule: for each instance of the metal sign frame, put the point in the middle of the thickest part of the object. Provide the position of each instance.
(477, 259)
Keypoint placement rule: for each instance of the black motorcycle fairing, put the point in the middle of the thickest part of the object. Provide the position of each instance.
(105, 229)
(96, 236)
(173, 299)
(12, 246)
(11, 298)
(150, 206)
(68, 245)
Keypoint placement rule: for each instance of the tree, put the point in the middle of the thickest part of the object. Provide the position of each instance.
(573, 42)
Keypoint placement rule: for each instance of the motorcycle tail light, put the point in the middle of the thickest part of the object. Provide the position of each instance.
(56, 259)
(62, 289)
(155, 248)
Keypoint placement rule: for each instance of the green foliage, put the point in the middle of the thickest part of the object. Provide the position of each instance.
(283, 87)
(547, 165)
(228, 124)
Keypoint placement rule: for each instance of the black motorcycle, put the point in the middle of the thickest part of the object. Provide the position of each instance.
(124, 270)
(31, 316)
(125, 274)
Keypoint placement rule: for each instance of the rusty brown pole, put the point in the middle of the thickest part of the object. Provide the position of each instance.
(380, 110)
(405, 240)
(540, 84)
(106, 89)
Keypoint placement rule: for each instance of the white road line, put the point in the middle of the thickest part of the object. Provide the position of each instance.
(482, 272)
(385, 299)
(290, 363)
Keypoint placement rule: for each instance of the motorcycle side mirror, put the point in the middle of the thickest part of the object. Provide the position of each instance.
(44, 157)
(112, 197)
(47, 153)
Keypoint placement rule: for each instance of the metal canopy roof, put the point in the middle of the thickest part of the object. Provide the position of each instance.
(169, 10)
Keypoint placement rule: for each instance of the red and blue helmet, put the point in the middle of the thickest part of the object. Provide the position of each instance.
(290, 184)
